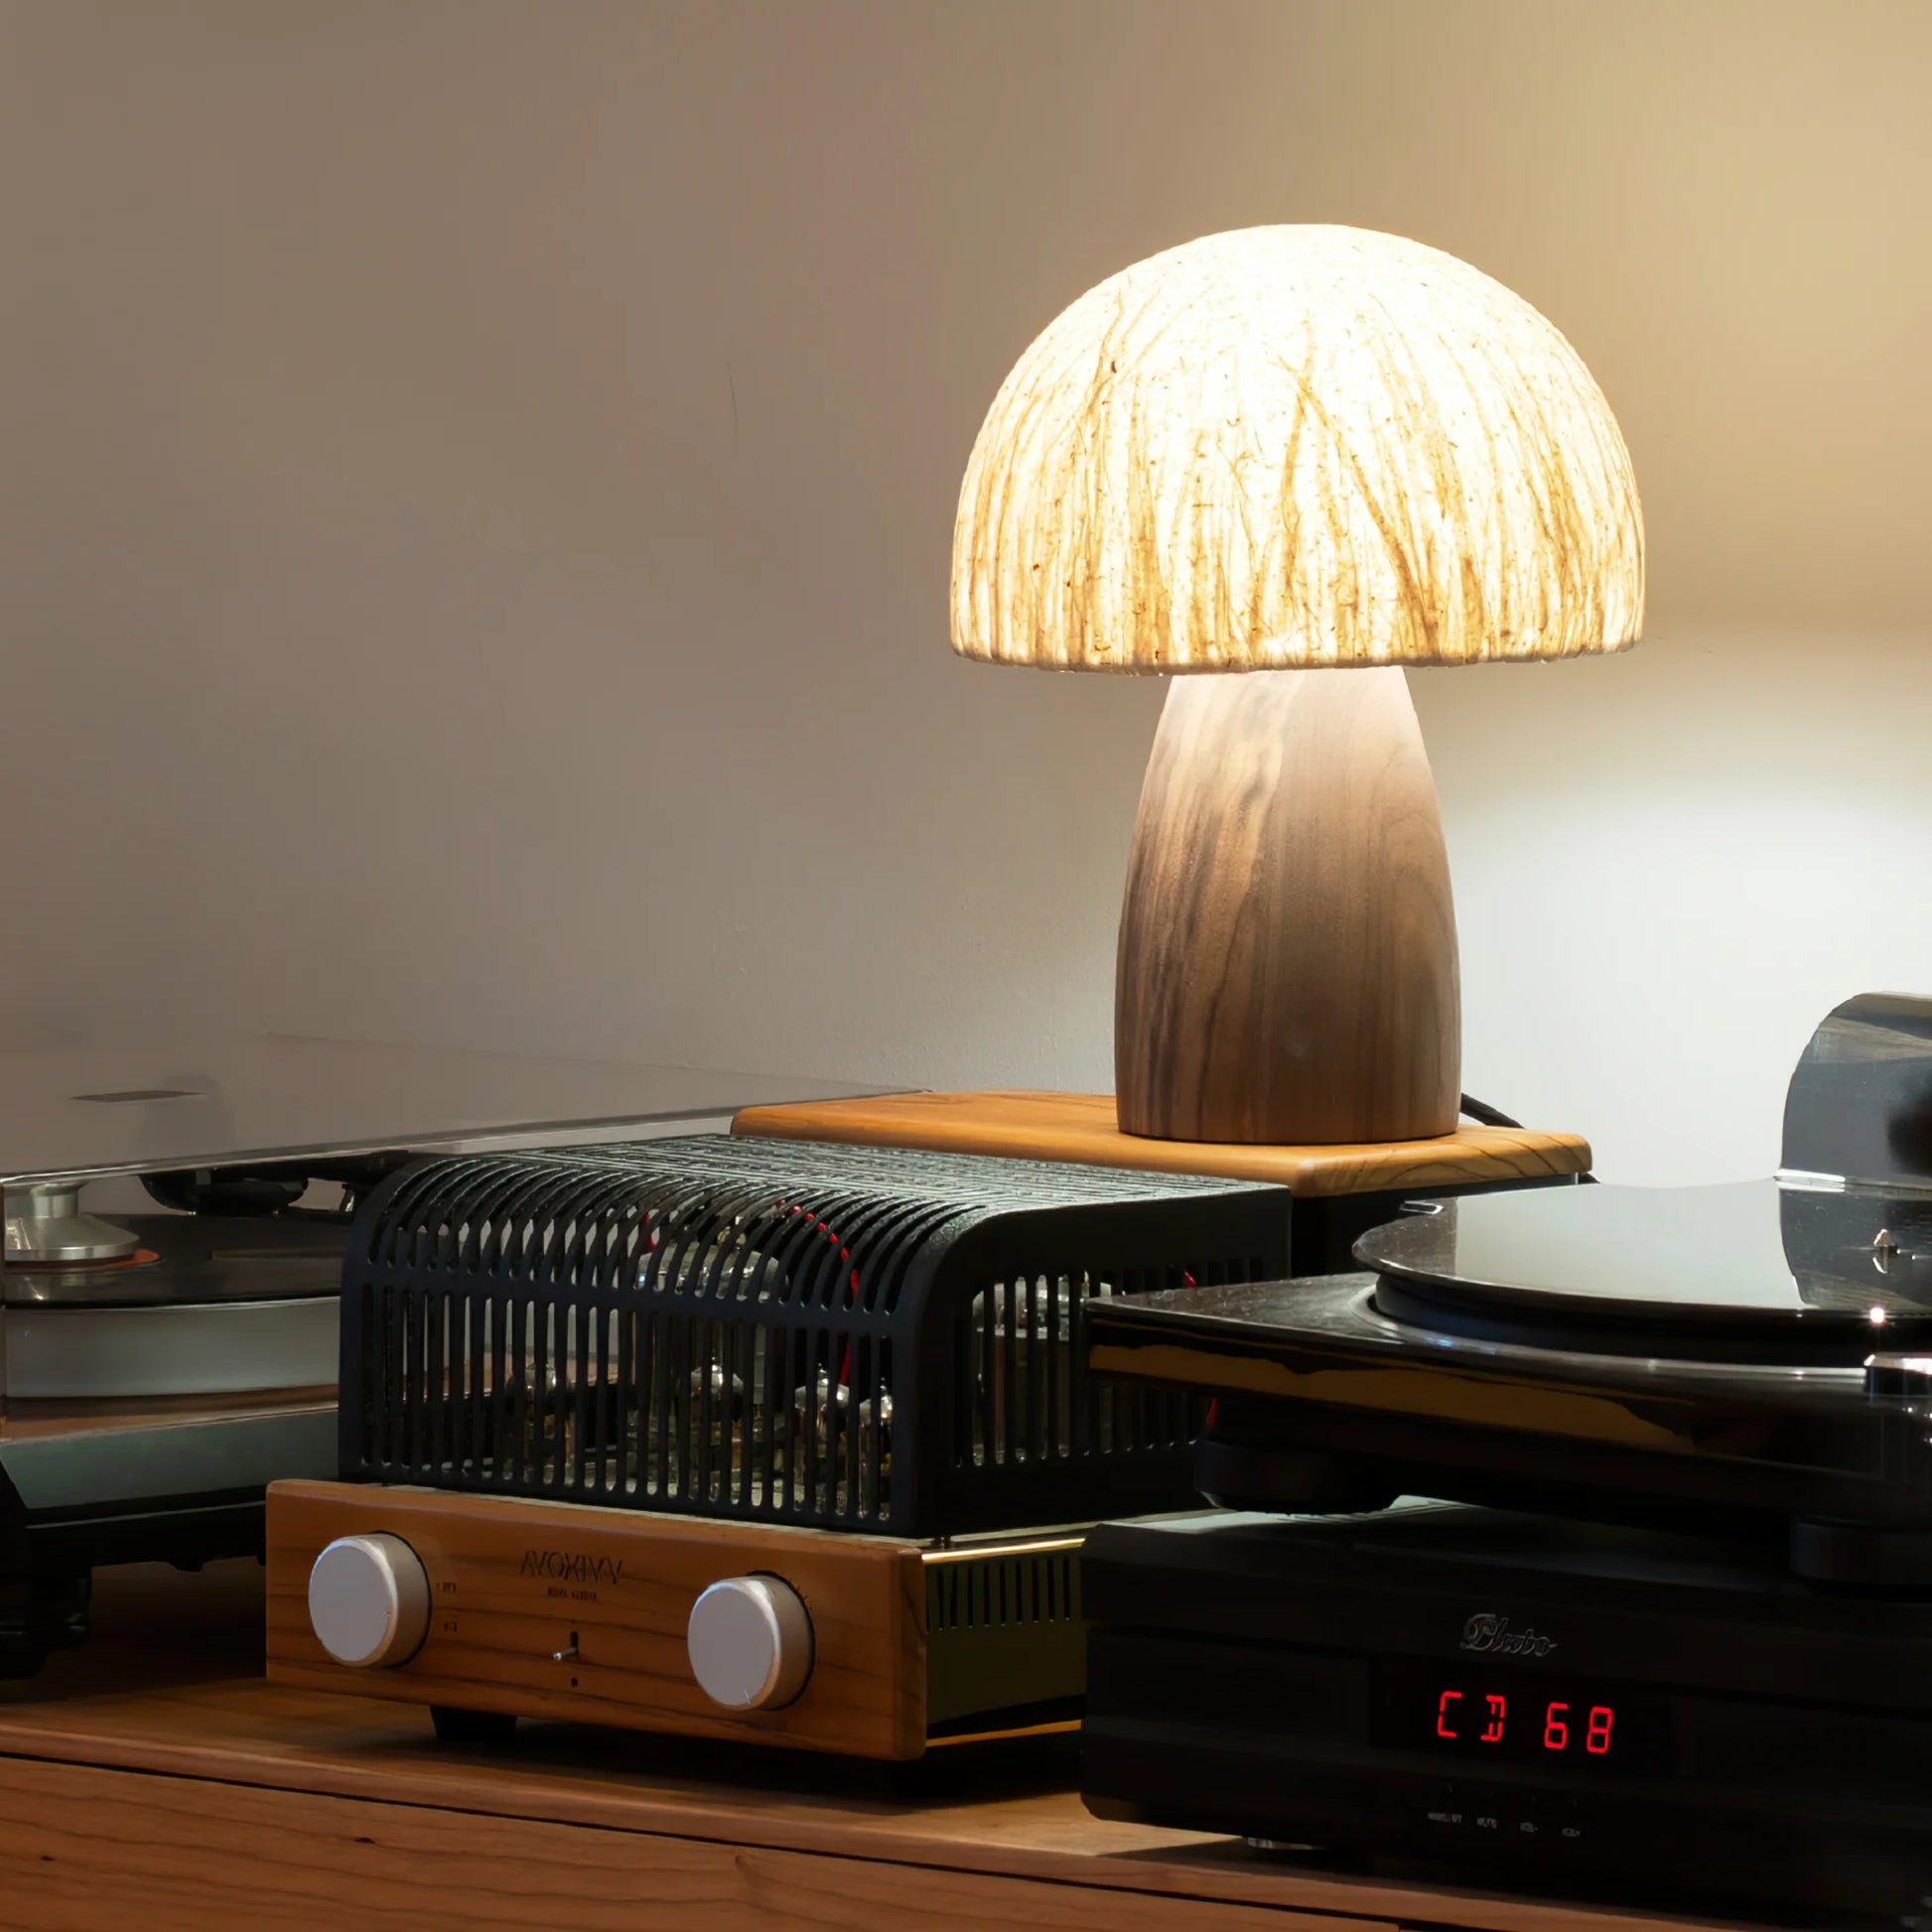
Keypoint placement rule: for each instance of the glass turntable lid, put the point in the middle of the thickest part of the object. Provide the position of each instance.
(1748, 1268)
(103, 1110)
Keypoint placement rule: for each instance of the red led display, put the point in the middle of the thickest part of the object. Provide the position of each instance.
(1558, 1727)
(1505, 1716)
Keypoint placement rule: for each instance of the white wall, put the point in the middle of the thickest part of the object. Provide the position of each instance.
(477, 477)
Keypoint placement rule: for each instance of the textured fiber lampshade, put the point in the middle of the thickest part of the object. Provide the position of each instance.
(1294, 453)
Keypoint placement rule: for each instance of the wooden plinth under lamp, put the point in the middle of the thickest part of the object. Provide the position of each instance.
(1311, 456)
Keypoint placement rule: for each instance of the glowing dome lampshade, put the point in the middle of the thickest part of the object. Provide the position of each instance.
(1285, 450)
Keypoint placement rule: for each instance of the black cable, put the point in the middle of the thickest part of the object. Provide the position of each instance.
(1481, 1110)
(1494, 1117)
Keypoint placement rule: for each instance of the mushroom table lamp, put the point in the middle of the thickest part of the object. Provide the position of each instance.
(1309, 456)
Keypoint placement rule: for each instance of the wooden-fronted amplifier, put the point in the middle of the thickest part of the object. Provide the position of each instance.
(741, 1439)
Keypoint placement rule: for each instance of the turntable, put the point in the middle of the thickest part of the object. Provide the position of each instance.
(166, 1354)
(1751, 1358)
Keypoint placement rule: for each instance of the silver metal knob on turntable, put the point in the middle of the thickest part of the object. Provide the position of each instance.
(46, 1228)
(369, 1600)
(750, 1641)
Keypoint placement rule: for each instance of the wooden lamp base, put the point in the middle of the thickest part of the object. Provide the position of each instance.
(1286, 968)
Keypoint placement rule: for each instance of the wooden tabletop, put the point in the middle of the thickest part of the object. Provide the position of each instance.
(1081, 1127)
(152, 1779)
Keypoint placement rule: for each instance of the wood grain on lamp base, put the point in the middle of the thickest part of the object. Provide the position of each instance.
(1082, 1127)
(513, 1583)
(1286, 966)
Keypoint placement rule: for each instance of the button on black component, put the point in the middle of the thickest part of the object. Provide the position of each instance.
(1564, 1822)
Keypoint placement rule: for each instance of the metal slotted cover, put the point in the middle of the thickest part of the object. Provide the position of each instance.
(780, 1329)
(601, 1217)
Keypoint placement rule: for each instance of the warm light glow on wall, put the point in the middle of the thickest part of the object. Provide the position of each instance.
(1294, 447)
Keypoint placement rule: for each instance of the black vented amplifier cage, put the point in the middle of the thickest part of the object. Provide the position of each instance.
(862, 1338)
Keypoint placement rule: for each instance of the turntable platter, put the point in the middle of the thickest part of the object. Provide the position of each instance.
(191, 1259)
(1754, 1271)
(208, 1305)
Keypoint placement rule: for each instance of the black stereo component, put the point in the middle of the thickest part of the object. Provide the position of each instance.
(1556, 1706)
(778, 1331)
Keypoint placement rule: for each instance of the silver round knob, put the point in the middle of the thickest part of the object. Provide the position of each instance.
(369, 1600)
(750, 1640)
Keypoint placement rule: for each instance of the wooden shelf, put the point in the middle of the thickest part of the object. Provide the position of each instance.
(1081, 1127)
(151, 1778)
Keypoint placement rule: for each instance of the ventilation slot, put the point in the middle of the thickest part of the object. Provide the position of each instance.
(998, 1592)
